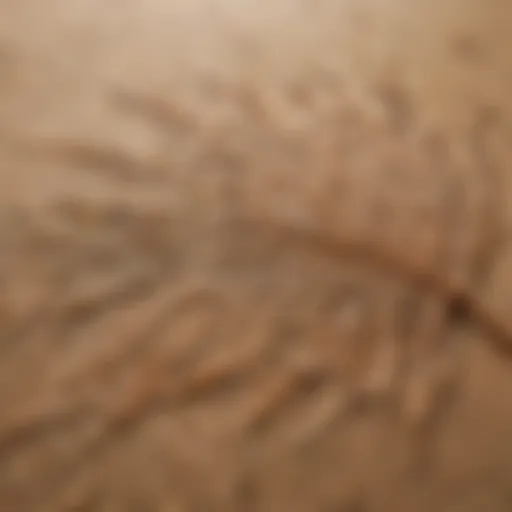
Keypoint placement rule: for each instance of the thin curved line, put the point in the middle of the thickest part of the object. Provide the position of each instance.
(393, 261)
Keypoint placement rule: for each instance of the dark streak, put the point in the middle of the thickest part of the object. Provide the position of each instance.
(399, 107)
(396, 263)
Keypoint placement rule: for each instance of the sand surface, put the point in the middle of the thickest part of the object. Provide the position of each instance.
(255, 256)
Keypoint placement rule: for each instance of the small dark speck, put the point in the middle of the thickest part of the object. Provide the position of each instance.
(467, 47)
(311, 382)
(300, 94)
(458, 310)
(398, 104)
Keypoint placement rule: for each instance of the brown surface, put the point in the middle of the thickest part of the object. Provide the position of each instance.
(255, 256)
